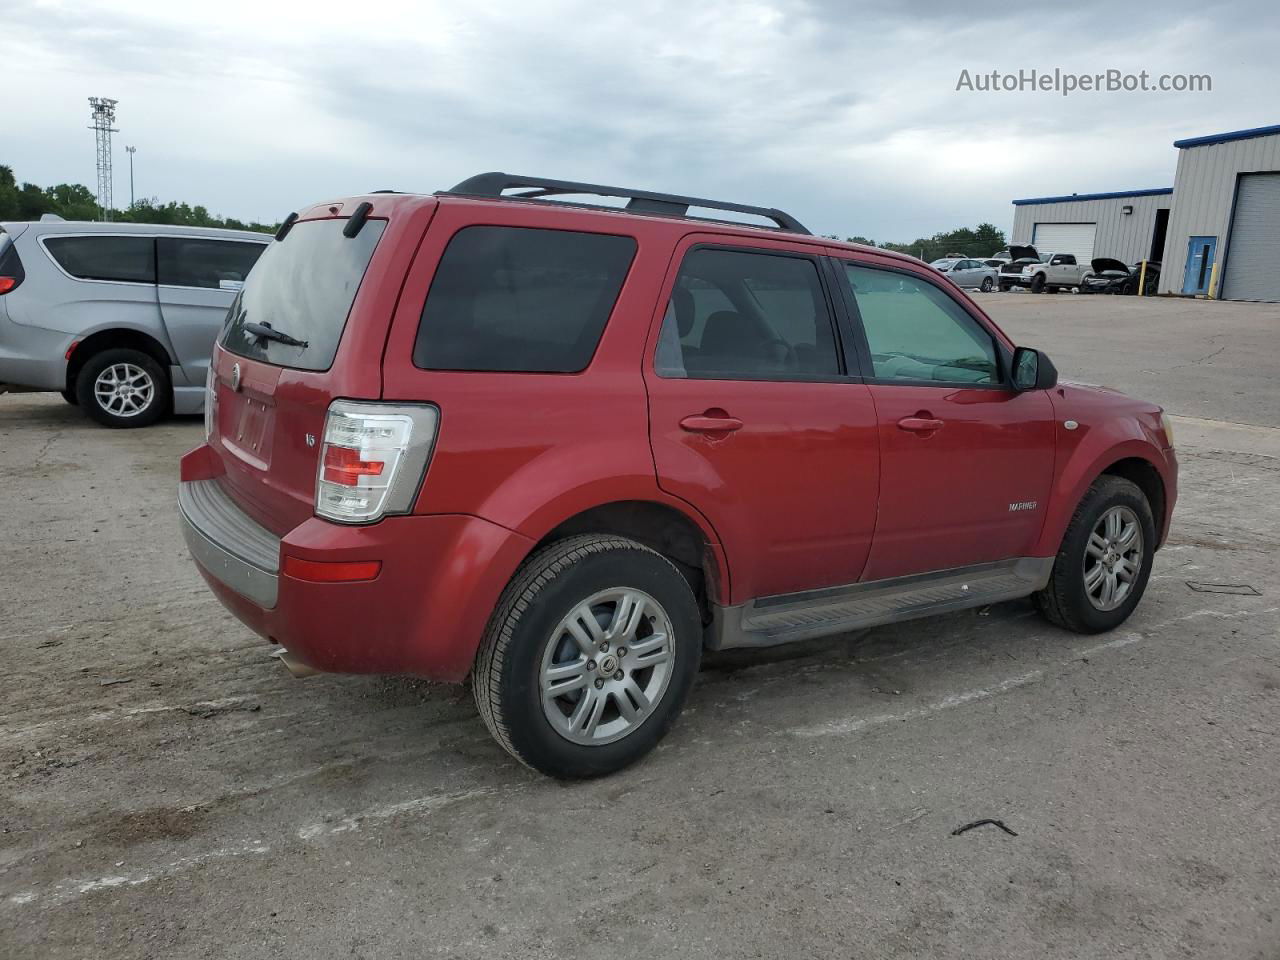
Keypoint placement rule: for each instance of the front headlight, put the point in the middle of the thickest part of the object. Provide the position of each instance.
(1167, 426)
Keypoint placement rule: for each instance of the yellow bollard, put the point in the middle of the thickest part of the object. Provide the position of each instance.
(1142, 278)
(1213, 283)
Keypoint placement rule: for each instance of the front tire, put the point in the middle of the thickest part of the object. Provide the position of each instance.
(1037, 283)
(1103, 565)
(987, 284)
(123, 388)
(588, 657)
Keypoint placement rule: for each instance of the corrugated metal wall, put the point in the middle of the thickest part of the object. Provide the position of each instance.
(1205, 187)
(1125, 237)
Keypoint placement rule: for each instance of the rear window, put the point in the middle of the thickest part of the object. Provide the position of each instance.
(302, 287)
(118, 259)
(520, 299)
(205, 262)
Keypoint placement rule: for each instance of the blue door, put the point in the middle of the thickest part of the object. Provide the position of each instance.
(1200, 251)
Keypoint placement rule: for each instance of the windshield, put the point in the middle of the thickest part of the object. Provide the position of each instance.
(301, 288)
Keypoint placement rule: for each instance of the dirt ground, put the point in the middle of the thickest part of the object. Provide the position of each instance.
(168, 790)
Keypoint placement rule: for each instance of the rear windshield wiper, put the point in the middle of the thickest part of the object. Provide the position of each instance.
(265, 332)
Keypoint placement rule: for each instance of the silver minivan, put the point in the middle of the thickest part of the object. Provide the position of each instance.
(118, 317)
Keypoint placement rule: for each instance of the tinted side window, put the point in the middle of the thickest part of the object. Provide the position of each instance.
(129, 259)
(520, 299)
(745, 315)
(917, 333)
(199, 262)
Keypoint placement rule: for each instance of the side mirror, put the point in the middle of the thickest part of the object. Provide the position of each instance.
(1032, 370)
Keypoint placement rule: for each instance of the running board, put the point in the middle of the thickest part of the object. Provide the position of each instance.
(768, 621)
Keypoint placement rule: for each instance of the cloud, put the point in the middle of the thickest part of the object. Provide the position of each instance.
(845, 114)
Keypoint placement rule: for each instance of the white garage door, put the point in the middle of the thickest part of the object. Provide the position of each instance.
(1253, 252)
(1074, 238)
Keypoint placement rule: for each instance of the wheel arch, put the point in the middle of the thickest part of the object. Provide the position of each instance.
(677, 534)
(111, 339)
(1146, 476)
(1132, 459)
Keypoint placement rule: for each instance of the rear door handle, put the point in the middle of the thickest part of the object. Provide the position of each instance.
(919, 424)
(702, 423)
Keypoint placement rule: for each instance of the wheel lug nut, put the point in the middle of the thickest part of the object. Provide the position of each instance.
(622, 651)
(591, 664)
(604, 646)
(618, 675)
(599, 683)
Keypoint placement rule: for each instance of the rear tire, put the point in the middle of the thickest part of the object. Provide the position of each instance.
(553, 703)
(1075, 597)
(123, 388)
(987, 284)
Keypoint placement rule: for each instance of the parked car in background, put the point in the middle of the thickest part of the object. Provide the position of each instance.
(1058, 271)
(759, 436)
(1111, 276)
(1013, 260)
(967, 273)
(120, 318)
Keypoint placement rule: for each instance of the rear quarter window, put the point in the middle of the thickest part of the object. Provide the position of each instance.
(302, 286)
(521, 299)
(118, 259)
(205, 262)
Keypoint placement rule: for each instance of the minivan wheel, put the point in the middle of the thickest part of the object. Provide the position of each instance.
(1104, 563)
(987, 284)
(123, 388)
(588, 657)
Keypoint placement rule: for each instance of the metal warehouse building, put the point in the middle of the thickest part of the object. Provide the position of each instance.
(1216, 231)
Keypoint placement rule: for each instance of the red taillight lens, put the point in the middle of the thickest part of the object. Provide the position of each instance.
(343, 465)
(7, 284)
(342, 571)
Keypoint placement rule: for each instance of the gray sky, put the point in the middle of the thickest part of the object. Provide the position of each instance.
(846, 115)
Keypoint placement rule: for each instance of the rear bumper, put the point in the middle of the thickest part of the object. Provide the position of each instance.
(33, 357)
(424, 614)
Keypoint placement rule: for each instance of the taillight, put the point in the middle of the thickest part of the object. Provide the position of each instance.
(7, 284)
(372, 458)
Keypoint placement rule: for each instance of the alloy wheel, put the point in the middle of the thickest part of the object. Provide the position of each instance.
(124, 389)
(1113, 558)
(606, 666)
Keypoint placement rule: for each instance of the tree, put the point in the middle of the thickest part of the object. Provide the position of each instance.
(74, 201)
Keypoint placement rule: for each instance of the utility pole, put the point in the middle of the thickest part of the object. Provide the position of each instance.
(103, 116)
(130, 151)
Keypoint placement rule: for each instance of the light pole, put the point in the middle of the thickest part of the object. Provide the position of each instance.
(130, 151)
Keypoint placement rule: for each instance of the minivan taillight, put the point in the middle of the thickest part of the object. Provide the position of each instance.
(372, 459)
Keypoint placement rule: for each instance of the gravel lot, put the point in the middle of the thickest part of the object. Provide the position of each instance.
(167, 790)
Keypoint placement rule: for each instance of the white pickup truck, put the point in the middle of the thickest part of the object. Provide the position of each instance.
(1056, 271)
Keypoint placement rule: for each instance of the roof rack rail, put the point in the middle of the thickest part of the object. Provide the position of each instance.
(639, 201)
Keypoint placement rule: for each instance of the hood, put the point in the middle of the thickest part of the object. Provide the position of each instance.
(1101, 264)
(1022, 253)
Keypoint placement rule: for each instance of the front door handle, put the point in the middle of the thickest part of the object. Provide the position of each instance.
(919, 424)
(711, 422)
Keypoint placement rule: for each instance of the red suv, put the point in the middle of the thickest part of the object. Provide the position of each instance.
(563, 447)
